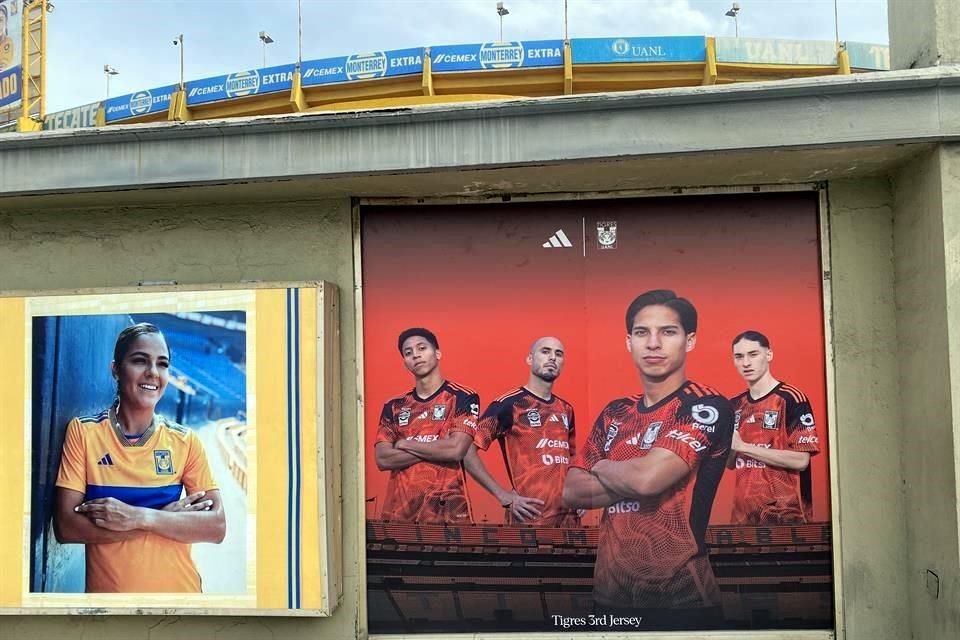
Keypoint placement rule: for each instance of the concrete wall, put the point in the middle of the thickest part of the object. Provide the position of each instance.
(927, 411)
(869, 440)
(112, 247)
(923, 33)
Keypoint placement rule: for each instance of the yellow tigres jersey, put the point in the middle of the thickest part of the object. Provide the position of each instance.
(152, 472)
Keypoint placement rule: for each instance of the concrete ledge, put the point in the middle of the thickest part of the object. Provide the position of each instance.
(824, 112)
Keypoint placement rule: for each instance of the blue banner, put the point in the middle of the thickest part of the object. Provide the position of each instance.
(9, 86)
(613, 50)
(864, 55)
(241, 84)
(139, 103)
(497, 55)
(362, 66)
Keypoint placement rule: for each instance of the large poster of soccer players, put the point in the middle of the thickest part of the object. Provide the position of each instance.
(169, 459)
(596, 416)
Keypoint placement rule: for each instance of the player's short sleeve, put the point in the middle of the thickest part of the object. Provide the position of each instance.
(196, 470)
(703, 428)
(572, 434)
(494, 422)
(73, 469)
(801, 426)
(466, 413)
(387, 428)
(593, 450)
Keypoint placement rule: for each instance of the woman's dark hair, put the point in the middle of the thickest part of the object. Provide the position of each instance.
(129, 335)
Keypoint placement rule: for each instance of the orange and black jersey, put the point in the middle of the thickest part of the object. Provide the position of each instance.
(781, 419)
(428, 492)
(538, 440)
(651, 551)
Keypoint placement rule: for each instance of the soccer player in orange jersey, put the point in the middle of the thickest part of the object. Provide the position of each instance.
(537, 436)
(653, 462)
(422, 438)
(774, 439)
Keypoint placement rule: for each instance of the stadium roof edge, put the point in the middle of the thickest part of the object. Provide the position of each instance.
(943, 76)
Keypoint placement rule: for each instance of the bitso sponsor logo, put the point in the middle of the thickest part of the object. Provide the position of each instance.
(548, 459)
(624, 506)
(557, 444)
(501, 55)
(749, 463)
(364, 66)
(244, 83)
(140, 102)
(688, 439)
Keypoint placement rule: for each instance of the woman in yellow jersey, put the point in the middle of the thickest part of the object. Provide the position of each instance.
(122, 478)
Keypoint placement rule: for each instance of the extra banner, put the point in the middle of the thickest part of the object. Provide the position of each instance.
(164, 452)
(603, 415)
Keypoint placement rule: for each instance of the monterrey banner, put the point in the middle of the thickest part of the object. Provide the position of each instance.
(596, 416)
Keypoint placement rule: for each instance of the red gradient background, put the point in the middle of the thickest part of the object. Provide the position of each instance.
(479, 277)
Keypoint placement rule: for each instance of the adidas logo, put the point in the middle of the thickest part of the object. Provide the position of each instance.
(106, 461)
(554, 418)
(424, 415)
(557, 240)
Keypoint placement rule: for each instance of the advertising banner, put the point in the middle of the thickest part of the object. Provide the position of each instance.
(864, 55)
(363, 66)
(11, 43)
(770, 51)
(168, 452)
(139, 103)
(596, 416)
(240, 84)
(497, 55)
(649, 49)
(76, 118)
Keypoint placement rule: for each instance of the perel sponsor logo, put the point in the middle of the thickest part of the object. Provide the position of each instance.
(548, 459)
(807, 420)
(556, 444)
(689, 439)
(624, 506)
(708, 428)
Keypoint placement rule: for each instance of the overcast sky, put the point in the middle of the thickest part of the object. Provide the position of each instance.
(221, 36)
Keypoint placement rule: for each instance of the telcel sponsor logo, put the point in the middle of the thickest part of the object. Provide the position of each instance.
(501, 55)
(548, 459)
(556, 444)
(808, 440)
(244, 83)
(364, 66)
(140, 102)
(687, 438)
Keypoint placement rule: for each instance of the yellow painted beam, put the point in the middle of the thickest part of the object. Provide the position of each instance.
(567, 68)
(26, 125)
(178, 107)
(102, 115)
(427, 83)
(297, 100)
(843, 62)
(710, 68)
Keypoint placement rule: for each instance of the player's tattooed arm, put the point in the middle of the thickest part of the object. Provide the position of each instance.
(450, 449)
(782, 458)
(73, 526)
(521, 507)
(583, 490)
(187, 526)
(643, 477)
(389, 458)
